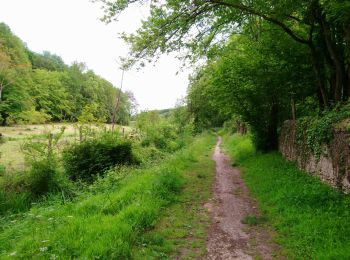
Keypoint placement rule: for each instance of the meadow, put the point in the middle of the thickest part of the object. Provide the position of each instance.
(13, 138)
(112, 218)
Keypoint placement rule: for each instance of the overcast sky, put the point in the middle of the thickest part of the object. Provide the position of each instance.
(72, 30)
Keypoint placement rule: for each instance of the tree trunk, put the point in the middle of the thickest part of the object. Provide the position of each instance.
(272, 138)
(323, 98)
(347, 61)
(337, 86)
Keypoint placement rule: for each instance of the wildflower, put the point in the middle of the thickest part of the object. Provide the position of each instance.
(43, 249)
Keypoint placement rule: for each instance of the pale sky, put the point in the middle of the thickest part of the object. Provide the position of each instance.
(72, 30)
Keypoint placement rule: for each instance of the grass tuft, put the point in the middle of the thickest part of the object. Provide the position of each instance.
(253, 220)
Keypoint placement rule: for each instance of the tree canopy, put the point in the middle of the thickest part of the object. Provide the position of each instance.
(200, 25)
(260, 55)
(38, 88)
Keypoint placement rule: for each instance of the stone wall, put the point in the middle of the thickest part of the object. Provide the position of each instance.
(333, 165)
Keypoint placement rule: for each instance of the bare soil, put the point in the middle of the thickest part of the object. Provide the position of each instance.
(229, 238)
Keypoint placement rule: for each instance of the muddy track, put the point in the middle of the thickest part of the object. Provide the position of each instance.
(231, 203)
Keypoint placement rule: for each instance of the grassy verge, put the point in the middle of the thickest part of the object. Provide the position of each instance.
(312, 220)
(107, 224)
(182, 230)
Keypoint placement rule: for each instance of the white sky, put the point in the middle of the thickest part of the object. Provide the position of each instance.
(72, 30)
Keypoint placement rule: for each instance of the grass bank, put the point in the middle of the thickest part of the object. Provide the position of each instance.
(113, 221)
(182, 230)
(311, 220)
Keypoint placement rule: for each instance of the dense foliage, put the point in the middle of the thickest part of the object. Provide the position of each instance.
(261, 56)
(61, 165)
(39, 88)
(84, 161)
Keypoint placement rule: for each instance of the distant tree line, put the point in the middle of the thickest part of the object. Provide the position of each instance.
(40, 88)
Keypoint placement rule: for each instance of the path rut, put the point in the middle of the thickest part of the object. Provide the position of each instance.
(228, 237)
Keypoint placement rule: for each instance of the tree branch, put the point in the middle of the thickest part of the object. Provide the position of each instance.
(249, 10)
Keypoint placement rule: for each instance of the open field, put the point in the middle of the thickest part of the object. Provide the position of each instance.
(11, 155)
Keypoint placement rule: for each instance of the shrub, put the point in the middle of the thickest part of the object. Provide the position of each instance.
(19, 189)
(241, 147)
(84, 161)
(44, 177)
(29, 117)
(148, 153)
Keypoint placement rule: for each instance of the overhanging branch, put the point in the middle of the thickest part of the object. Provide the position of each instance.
(249, 10)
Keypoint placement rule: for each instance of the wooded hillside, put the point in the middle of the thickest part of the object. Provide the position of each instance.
(40, 88)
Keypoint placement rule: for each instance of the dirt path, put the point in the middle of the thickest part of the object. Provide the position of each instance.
(231, 203)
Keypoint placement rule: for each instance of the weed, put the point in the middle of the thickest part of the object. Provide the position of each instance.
(201, 176)
(253, 220)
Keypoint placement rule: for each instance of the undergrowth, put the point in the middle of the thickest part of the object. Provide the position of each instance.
(310, 218)
(106, 223)
(313, 132)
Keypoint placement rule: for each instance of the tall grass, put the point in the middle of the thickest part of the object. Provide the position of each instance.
(239, 146)
(104, 225)
(312, 220)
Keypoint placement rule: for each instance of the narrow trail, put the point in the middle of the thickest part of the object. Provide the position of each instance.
(228, 237)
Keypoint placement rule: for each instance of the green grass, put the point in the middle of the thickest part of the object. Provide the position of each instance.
(182, 230)
(311, 220)
(107, 224)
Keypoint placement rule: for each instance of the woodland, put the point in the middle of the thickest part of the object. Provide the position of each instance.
(41, 88)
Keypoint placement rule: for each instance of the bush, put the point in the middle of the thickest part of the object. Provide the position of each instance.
(19, 189)
(44, 177)
(241, 147)
(29, 117)
(84, 161)
(148, 153)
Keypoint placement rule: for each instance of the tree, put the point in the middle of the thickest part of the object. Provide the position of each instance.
(46, 61)
(321, 25)
(6, 72)
(14, 74)
(40, 87)
(255, 80)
